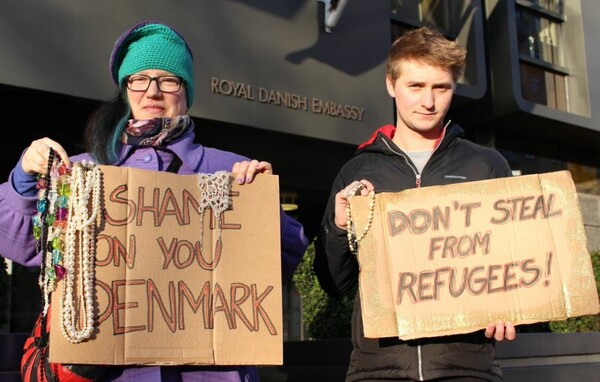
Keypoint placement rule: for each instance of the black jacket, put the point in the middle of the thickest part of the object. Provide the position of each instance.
(390, 170)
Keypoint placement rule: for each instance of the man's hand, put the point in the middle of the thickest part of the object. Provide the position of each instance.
(501, 331)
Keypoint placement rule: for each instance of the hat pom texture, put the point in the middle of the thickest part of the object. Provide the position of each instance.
(151, 45)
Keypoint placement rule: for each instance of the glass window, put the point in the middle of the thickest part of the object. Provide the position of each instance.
(444, 15)
(539, 37)
(543, 86)
(550, 5)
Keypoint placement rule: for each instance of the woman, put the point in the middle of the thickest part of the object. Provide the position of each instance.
(144, 126)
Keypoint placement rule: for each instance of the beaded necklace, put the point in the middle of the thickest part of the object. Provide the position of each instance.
(43, 219)
(81, 229)
(66, 217)
(353, 240)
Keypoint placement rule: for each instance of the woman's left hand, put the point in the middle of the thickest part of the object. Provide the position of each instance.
(245, 171)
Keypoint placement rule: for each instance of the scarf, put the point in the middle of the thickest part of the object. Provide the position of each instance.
(156, 132)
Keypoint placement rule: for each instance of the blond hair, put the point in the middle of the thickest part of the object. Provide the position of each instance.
(428, 46)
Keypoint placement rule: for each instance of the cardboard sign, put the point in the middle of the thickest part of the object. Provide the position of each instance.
(450, 259)
(167, 290)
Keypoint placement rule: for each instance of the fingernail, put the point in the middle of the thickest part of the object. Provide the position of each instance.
(240, 180)
(248, 180)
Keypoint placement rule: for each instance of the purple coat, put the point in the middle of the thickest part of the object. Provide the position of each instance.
(18, 198)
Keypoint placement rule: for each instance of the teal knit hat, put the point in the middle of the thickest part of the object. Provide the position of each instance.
(153, 45)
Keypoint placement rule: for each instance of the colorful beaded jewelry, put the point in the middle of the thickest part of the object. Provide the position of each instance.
(51, 266)
(353, 240)
(67, 209)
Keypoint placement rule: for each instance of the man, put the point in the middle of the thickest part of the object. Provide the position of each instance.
(420, 150)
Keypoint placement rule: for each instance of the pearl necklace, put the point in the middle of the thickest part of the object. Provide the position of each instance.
(214, 194)
(81, 229)
(353, 240)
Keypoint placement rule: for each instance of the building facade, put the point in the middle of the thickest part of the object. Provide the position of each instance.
(300, 86)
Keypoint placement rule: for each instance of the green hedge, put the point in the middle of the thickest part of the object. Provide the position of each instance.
(584, 323)
(325, 317)
(322, 316)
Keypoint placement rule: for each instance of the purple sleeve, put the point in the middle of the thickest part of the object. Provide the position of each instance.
(18, 199)
(16, 213)
(293, 245)
(24, 183)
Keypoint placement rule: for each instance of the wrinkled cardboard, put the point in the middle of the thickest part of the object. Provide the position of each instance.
(520, 242)
(162, 300)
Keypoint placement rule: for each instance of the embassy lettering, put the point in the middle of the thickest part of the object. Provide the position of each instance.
(286, 99)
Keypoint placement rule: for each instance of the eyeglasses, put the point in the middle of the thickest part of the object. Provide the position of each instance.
(166, 84)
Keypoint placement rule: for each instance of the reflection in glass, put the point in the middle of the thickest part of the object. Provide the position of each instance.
(538, 37)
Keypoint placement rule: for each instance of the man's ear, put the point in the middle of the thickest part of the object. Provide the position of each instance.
(389, 84)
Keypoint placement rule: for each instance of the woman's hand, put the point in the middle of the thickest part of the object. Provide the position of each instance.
(245, 171)
(35, 159)
(501, 331)
(362, 187)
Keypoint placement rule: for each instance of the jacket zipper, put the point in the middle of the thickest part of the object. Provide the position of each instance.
(420, 363)
(418, 185)
(417, 174)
